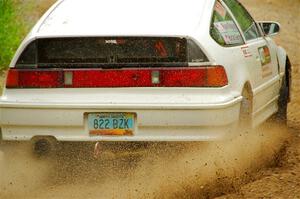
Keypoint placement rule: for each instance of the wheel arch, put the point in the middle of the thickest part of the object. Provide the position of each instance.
(282, 59)
(247, 92)
(246, 108)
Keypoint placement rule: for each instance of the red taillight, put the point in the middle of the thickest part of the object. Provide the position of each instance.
(139, 78)
(12, 80)
(216, 77)
(208, 76)
(18, 78)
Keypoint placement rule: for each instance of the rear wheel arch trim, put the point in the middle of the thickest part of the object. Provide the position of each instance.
(281, 59)
(246, 108)
(248, 89)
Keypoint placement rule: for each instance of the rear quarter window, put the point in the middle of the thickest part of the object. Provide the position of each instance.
(29, 56)
(223, 28)
(244, 19)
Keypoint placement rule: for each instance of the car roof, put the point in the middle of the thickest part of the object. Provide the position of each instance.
(123, 17)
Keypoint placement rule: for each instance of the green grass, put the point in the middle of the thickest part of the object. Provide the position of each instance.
(12, 31)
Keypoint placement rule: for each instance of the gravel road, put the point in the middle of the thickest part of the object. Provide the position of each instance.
(264, 163)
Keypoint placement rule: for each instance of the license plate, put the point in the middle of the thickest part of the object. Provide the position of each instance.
(111, 123)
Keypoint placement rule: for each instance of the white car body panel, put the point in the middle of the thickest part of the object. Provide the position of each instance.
(163, 114)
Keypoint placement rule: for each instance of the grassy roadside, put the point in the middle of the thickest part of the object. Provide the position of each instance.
(16, 19)
(12, 30)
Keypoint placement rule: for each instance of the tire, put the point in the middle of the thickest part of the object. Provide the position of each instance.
(284, 96)
(281, 115)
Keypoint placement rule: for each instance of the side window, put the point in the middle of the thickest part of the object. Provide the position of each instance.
(223, 28)
(244, 19)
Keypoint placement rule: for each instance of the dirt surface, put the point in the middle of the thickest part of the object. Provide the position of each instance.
(264, 163)
(281, 181)
(191, 170)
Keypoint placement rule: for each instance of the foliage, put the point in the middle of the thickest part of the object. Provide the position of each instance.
(241, 15)
(12, 30)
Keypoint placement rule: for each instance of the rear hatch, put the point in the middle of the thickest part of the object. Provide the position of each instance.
(98, 62)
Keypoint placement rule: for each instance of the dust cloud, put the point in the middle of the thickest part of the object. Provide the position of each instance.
(161, 170)
(20, 171)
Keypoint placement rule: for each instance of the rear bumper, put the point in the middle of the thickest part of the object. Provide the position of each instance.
(155, 122)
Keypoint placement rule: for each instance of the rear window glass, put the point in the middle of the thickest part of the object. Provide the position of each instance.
(29, 55)
(111, 51)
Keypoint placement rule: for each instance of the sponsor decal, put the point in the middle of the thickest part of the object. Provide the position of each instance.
(246, 51)
(229, 32)
(265, 55)
(111, 41)
(265, 58)
(114, 41)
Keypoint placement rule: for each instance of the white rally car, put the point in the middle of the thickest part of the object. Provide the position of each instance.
(136, 70)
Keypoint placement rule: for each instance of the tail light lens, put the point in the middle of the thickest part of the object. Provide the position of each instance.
(209, 76)
(216, 77)
(18, 78)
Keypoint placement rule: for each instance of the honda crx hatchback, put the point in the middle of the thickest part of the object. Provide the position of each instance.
(137, 70)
